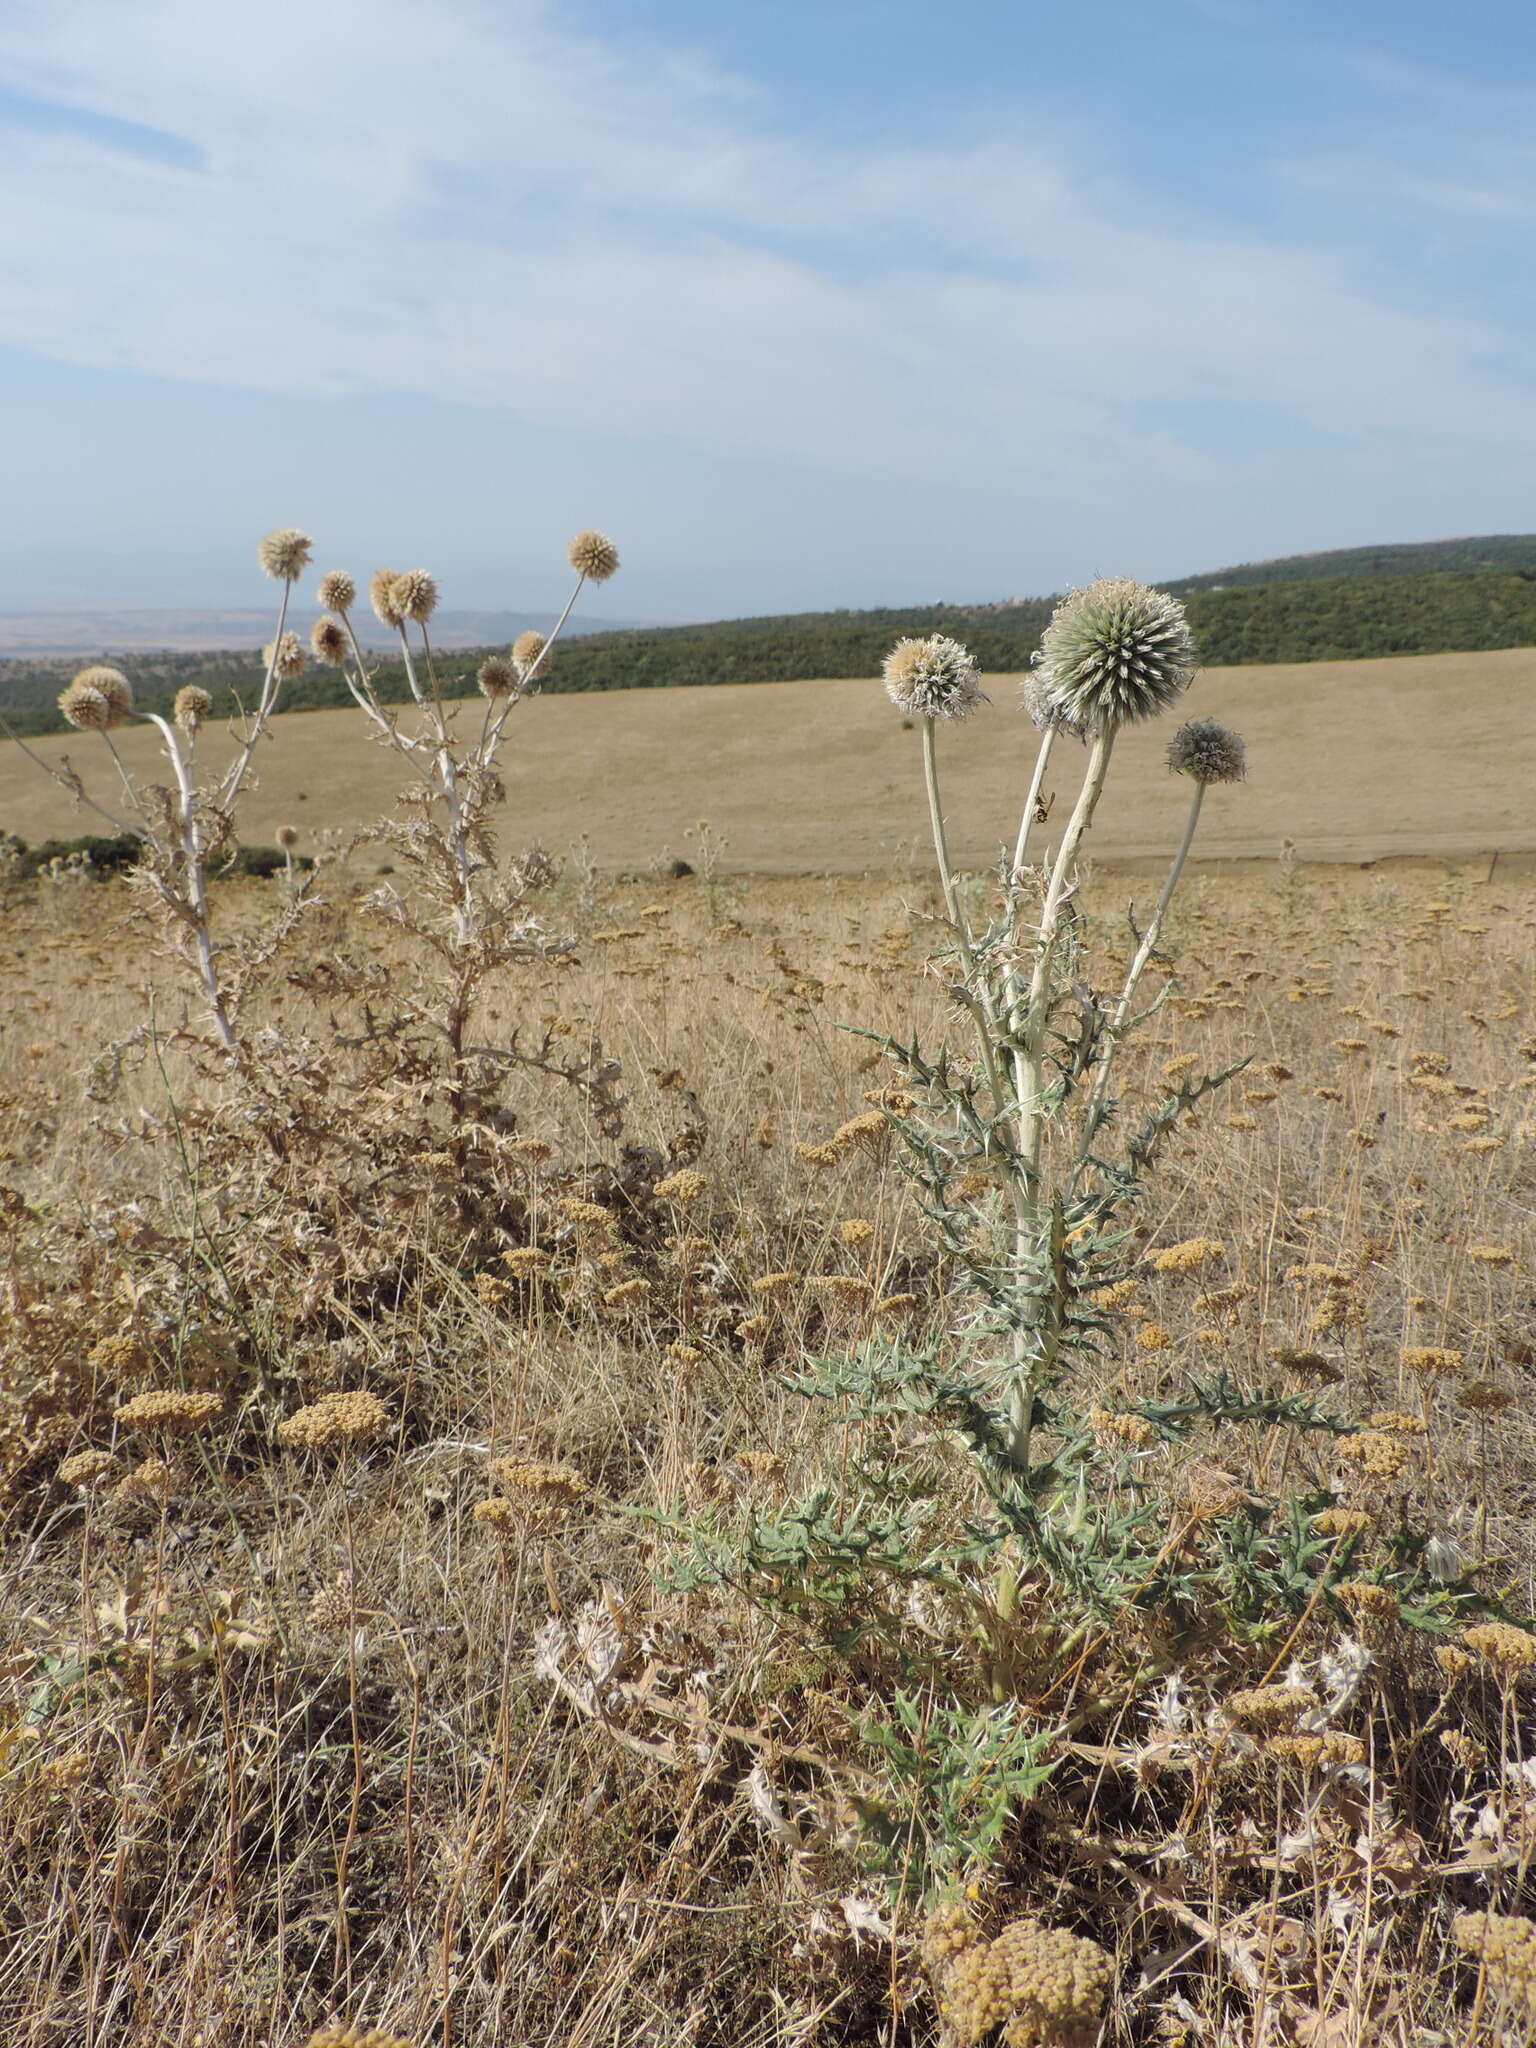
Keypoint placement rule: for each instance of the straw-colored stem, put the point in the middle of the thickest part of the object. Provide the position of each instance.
(234, 780)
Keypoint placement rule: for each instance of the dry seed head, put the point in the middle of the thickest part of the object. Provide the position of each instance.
(1188, 1257)
(287, 837)
(1111, 1427)
(1507, 1649)
(1116, 652)
(526, 650)
(337, 592)
(328, 642)
(110, 686)
(1491, 1254)
(947, 1933)
(1461, 1747)
(381, 595)
(151, 1480)
(1453, 1662)
(538, 1485)
(1505, 1945)
(1376, 1452)
(191, 707)
(497, 677)
(1305, 1750)
(686, 1186)
(892, 1307)
(1153, 1337)
(1270, 1706)
(1207, 753)
(1397, 1423)
(1484, 1397)
(356, 2037)
(933, 678)
(335, 1422)
(285, 657)
(284, 553)
(89, 1469)
(855, 1230)
(1364, 1597)
(414, 595)
(170, 1409)
(1047, 1987)
(1341, 1522)
(1430, 1359)
(593, 555)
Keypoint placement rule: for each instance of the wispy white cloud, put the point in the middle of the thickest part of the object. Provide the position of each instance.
(468, 200)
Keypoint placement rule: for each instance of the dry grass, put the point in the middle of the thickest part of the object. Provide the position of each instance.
(1351, 760)
(275, 1746)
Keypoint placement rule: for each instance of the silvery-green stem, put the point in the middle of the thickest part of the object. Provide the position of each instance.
(980, 1008)
(1138, 967)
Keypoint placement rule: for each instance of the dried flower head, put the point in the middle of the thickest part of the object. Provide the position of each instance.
(527, 649)
(932, 678)
(1342, 1522)
(1270, 1706)
(285, 657)
(1046, 1986)
(414, 595)
(192, 706)
(287, 837)
(498, 677)
(948, 1932)
(1505, 1945)
(1188, 1257)
(284, 553)
(337, 592)
(168, 1408)
(150, 1481)
(336, 1421)
(1506, 1648)
(1430, 1359)
(593, 555)
(1365, 1597)
(98, 699)
(685, 1186)
(538, 1486)
(328, 642)
(89, 1469)
(1484, 1397)
(381, 595)
(356, 2037)
(1207, 752)
(1116, 652)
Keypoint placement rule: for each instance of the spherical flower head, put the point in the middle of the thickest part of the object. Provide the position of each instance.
(1116, 652)
(287, 837)
(593, 555)
(337, 592)
(381, 595)
(192, 707)
(498, 677)
(933, 678)
(285, 657)
(284, 553)
(1207, 752)
(328, 642)
(86, 709)
(526, 650)
(1044, 711)
(414, 595)
(114, 686)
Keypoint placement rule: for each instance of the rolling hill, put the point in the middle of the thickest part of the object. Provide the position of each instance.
(1353, 604)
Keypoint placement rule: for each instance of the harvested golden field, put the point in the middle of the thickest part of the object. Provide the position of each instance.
(1429, 754)
(533, 1698)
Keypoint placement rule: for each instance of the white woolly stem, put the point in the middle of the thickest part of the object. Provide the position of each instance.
(195, 883)
(1138, 966)
(981, 1009)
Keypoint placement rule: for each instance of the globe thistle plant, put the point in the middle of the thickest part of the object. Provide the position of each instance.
(933, 678)
(284, 553)
(337, 592)
(414, 595)
(593, 556)
(329, 643)
(191, 708)
(1207, 752)
(381, 595)
(1116, 652)
(285, 656)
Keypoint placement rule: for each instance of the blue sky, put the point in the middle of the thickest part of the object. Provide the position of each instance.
(812, 302)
